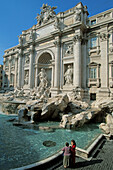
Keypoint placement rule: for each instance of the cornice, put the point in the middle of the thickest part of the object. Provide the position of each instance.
(103, 23)
(97, 15)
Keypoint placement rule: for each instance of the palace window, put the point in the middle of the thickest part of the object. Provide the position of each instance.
(111, 74)
(92, 96)
(12, 79)
(93, 42)
(7, 64)
(93, 73)
(12, 62)
(93, 22)
(112, 70)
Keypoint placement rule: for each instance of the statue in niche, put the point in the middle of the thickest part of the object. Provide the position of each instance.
(26, 78)
(77, 14)
(69, 49)
(68, 75)
(31, 35)
(20, 39)
(46, 13)
(43, 79)
(43, 82)
(27, 60)
(42, 74)
(42, 89)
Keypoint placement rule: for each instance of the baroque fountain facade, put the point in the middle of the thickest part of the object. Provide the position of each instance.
(61, 61)
(75, 51)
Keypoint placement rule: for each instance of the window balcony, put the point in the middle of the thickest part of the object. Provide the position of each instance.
(94, 82)
(6, 68)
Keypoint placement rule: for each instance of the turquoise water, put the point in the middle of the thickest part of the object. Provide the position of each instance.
(22, 146)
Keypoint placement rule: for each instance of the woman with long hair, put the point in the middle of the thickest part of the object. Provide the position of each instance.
(73, 152)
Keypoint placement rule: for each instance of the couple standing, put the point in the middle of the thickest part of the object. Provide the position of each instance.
(69, 154)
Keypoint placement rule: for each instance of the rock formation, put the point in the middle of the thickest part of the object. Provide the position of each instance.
(107, 127)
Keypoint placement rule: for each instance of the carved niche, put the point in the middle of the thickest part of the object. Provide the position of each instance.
(26, 78)
(68, 75)
(27, 59)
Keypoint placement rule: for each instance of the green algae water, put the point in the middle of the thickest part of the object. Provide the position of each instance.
(22, 146)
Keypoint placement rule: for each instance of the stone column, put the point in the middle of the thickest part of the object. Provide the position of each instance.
(61, 67)
(98, 47)
(16, 70)
(52, 80)
(9, 76)
(20, 68)
(84, 65)
(57, 64)
(98, 75)
(110, 75)
(77, 61)
(104, 59)
(110, 70)
(3, 74)
(36, 74)
(31, 67)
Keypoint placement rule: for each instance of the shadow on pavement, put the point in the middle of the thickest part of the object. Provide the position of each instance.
(87, 163)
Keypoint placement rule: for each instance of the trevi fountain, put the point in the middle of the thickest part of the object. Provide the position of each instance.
(44, 100)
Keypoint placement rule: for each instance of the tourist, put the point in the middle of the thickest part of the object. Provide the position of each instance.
(73, 152)
(67, 153)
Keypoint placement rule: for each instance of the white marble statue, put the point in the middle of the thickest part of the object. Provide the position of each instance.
(43, 82)
(20, 39)
(57, 23)
(42, 89)
(77, 14)
(26, 78)
(68, 75)
(42, 74)
(46, 13)
(27, 60)
(31, 35)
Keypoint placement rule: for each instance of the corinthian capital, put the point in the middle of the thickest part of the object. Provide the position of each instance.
(77, 38)
(104, 36)
(31, 49)
(19, 52)
(57, 43)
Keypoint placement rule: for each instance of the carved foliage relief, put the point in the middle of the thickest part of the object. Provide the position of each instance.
(68, 49)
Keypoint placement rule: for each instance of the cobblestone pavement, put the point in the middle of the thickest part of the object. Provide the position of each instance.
(102, 160)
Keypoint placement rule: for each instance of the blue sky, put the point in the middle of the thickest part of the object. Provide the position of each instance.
(18, 15)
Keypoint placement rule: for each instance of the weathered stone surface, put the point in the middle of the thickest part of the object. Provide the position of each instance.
(64, 120)
(47, 111)
(61, 102)
(102, 103)
(109, 119)
(52, 109)
(9, 108)
(108, 126)
(105, 128)
(79, 119)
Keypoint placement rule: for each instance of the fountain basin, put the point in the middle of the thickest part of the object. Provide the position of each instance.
(22, 146)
